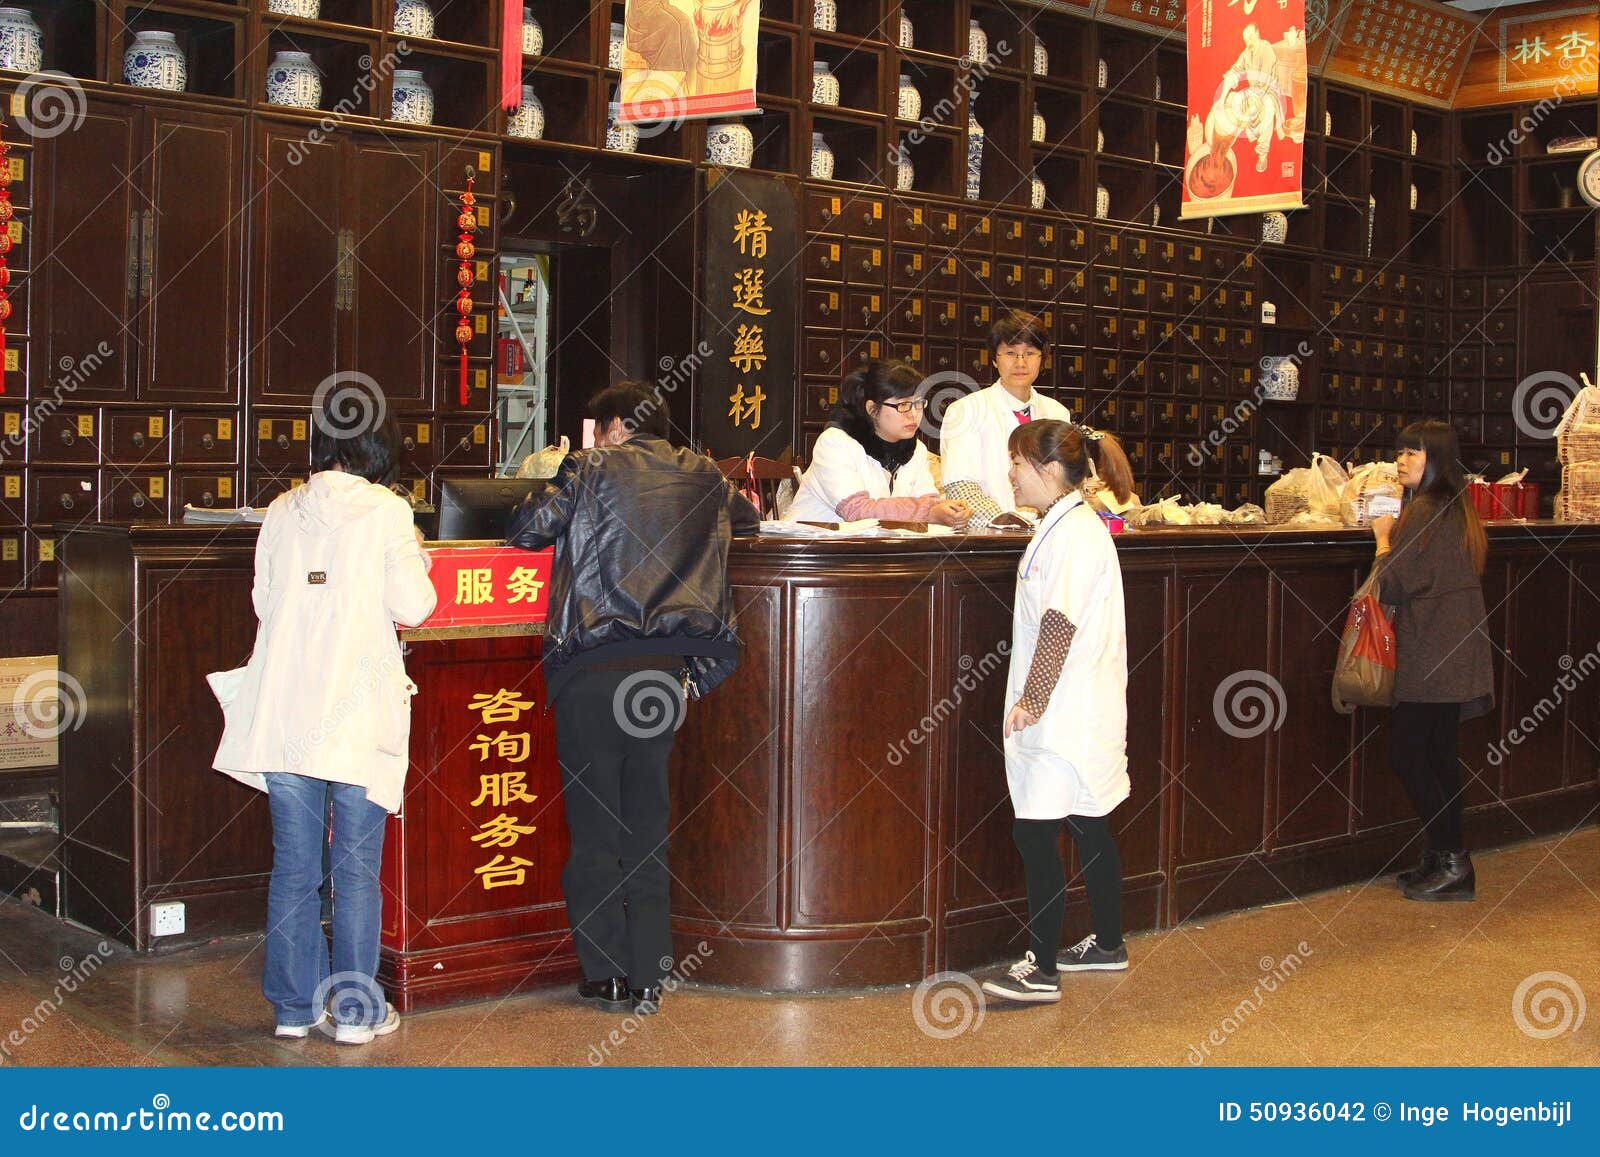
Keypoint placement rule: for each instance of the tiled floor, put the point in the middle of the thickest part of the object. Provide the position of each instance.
(1379, 980)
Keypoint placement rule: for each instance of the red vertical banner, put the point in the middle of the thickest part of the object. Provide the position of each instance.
(1245, 145)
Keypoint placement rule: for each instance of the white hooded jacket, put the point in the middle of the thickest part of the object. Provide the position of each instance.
(325, 693)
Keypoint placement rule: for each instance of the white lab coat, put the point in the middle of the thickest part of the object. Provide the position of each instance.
(840, 466)
(325, 693)
(1074, 760)
(972, 438)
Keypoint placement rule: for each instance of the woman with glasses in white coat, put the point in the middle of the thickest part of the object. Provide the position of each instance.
(869, 462)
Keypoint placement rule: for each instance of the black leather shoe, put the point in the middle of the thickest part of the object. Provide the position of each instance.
(646, 1001)
(1453, 879)
(1425, 868)
(611, 990)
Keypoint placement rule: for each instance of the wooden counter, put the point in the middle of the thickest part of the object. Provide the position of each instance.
(840, 810)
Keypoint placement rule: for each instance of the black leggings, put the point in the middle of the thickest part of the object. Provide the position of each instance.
(1047, 881)
(1424, 748)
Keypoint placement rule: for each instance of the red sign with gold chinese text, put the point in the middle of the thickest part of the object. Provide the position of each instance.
(1248, 91)
(489, 586)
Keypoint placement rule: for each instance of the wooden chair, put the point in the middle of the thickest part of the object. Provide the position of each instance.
(766, 473)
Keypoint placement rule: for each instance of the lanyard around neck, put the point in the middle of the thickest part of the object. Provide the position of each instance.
(1037, 544)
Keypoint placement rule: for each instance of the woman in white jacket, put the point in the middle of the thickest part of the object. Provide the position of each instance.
(1066, 730)
(321, 718)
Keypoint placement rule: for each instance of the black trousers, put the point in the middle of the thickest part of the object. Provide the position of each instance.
(1047, 881)
(614, 778)
(1424, 748)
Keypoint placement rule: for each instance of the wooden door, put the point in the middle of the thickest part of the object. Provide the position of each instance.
(391, 210)
(87, 280)
(296, 283)
(193, 257)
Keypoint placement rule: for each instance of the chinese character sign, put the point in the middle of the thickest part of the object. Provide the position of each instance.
(746, 385)
(482, 586)
(1247, 107)
(1551, 51)
(1413, 50)
(688, 58)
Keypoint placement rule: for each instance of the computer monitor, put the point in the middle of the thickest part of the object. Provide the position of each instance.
(478, 508)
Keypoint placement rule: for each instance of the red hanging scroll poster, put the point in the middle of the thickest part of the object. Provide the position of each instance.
(1247, 107)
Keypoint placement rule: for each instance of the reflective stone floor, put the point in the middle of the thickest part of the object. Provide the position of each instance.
(1378, 980)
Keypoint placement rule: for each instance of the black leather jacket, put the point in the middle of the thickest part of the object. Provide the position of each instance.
(641, 535)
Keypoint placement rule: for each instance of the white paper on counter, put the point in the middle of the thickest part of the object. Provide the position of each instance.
(223, 515)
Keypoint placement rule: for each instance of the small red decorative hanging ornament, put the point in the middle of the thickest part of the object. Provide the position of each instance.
(467, 223)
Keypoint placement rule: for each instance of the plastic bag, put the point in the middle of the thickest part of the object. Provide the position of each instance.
(1359, 500)
(1247, 515)
(1287, 496)
(544, 463)
(1325, 482)
(1363, 675)
(1578, 432)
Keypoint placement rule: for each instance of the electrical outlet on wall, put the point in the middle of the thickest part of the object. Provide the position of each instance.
(167, 919)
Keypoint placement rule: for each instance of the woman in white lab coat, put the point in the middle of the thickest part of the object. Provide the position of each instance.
(869, 462)
(320, 716)
(1065, 730)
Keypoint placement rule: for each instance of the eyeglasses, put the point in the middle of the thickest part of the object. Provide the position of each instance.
(1024, 356)
(910, 407)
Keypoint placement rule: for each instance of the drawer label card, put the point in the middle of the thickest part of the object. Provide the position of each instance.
(158, 487)
(86, 425)
(47, 550)
(264, 430)
(13, 486)
(13, 422)
(224, 487)
(224, 429)
(157, 427)
(13, 360)
(8, 549)
(299, 434)
(479, 435)
(424, 432)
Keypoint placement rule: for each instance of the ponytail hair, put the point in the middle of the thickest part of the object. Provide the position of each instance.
(1080, 451)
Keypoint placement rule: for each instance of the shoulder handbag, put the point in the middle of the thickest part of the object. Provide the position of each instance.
(1363, 676)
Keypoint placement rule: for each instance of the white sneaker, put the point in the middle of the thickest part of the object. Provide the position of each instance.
(360, 1034)
(1025, 982)
(299, 1031)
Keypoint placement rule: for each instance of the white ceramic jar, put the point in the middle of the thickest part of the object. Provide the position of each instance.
(21, 41)
(1102, 201)
(824, 85)
(622, 137)
(294, 81)
(413, 18)
(1040, 130)
(977, 43)
(412, 103)
(614, 45)
(908, 100)
(730, 144)
(908, 34)
(905, 174)
(154, 60)
(821, 159)
(825, 15)
(1036, 191)
(1041, 58)
(974, 158)
(527, 119)
(305, 9)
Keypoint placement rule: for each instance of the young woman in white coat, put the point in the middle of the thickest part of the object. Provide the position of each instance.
(869, 462)
(320, 718)
(1066, 726)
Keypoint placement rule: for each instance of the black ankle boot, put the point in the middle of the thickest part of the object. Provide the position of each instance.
(1425, 868)
(1453, 879)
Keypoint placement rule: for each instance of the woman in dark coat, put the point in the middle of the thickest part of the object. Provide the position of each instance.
(1428, 570)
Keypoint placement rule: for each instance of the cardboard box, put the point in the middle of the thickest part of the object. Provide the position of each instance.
(29, 711)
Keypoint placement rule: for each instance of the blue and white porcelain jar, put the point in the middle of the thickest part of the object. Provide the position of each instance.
(1040, 130)
(821, 159)
(905, 174)
(825, 15)
(1275, 227)
(532, 34)
(614, 45)
(824, 85)
(730, 144)
(977, 43)
(294, 81)
(908, 33)
(974, 158)
(154, 60)
(622, 137)
(1102, 201)
(305, 9)
(413, 18)
(21, 42)
(527, 119)
(1041, 58)
(1036, 191)
(908, 100)
(413, 99)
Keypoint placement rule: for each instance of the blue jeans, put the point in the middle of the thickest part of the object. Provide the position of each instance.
(297, 978)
